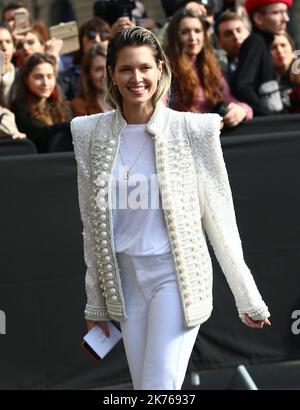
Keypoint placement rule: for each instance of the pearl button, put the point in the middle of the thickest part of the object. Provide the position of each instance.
(114, 298)
(107, 259)
(102, 183)
(104, 234)
(112, 143)
(104, 243)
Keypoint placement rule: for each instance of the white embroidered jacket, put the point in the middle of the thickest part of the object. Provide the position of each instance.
(196, 197)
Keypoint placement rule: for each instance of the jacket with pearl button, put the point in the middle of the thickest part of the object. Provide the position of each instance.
(196, 201)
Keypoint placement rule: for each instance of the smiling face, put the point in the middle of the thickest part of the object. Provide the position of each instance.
(191, 36)
(136, 75)
(41, 80)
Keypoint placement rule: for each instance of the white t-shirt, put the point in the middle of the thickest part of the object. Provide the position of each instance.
(138, 222)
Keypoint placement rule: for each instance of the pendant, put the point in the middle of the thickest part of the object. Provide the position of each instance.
(126, 175)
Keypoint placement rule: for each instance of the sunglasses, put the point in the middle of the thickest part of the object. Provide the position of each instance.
(92, 34)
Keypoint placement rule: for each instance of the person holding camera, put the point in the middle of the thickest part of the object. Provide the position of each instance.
(199, 85)
(145, 209)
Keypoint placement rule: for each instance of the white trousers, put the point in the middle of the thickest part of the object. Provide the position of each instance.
(157, 344)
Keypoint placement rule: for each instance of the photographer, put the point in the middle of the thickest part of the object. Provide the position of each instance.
(118, 14)
(199, 85)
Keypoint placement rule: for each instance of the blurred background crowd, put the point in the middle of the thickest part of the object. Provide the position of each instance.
(236, 58)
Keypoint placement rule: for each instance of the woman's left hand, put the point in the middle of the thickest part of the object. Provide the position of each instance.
(256, 324)
(235, 115)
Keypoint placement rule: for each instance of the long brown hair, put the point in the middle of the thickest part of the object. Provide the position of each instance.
(206, 72)
(87, 90)
(56, 110)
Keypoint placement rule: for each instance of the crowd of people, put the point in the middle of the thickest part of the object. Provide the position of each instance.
(238, 61)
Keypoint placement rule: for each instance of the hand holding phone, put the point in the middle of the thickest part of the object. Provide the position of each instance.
(68, 32)
(22, 23)
(3, 64)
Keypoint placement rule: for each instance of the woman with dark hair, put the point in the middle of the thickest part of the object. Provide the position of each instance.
(33, 42)
(199, 85)
(94, 31)
(41, 110)
(287, 70)
(9, 79)
(91, 99)
(144, 207)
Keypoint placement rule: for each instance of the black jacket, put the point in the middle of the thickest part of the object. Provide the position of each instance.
(45, 137)
(255, 68)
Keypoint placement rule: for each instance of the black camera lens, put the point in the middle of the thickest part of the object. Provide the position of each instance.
(220, 108)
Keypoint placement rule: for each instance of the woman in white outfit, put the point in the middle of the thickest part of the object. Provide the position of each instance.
(152, 183)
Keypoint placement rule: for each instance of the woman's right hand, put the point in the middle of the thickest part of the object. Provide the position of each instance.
(91, 323)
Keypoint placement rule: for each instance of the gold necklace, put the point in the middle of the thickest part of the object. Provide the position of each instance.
(127, 173)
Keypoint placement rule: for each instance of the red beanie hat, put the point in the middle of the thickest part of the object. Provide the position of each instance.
(255, 4)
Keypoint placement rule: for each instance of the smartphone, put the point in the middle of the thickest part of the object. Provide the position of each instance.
(21, 21)
(2, 63)
(90, 351)
(68, 32)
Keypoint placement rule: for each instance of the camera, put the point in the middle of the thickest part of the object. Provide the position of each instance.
(111, 10)
(220, 108)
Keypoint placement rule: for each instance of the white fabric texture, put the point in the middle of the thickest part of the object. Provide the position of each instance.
(157, 344)
(138, 229)
(196, 200)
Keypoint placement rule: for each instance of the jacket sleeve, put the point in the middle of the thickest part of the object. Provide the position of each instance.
(219, 219)
(96, 308)
(249, 65)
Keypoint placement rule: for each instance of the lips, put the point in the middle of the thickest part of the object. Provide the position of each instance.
(137, 90)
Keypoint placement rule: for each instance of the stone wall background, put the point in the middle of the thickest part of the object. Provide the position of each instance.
(41, 9)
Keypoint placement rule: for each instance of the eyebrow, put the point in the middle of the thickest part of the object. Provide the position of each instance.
(129, 66)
